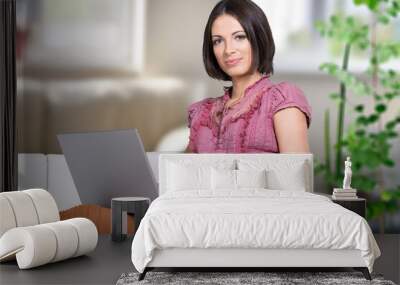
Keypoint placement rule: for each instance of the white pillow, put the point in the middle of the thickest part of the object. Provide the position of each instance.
(228, 179)
(281, 175)
(251, 178)
(187, 177)
(223, 179)
(293, 180)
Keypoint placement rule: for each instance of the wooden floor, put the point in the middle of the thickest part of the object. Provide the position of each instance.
(110, 260)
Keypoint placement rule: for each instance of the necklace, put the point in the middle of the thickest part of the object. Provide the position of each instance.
(232, 102)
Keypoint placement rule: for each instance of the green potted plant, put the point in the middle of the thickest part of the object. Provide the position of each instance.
(368, 138)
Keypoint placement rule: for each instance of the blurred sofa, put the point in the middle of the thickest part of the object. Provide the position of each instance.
(47, 107)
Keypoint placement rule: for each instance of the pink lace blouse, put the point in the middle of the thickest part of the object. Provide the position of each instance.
(248, 125)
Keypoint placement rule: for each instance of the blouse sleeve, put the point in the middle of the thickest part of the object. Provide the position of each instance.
(287, 95)
(194, 112)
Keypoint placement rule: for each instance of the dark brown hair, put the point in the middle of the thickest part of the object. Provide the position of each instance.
(257, 29)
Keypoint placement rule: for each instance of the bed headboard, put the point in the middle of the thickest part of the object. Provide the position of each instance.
(210, 158)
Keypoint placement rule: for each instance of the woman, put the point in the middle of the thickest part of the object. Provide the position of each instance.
(254, 114)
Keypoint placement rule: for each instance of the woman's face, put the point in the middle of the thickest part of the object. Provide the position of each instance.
(231, 47)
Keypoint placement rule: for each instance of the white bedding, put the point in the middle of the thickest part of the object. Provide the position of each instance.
(251, 218)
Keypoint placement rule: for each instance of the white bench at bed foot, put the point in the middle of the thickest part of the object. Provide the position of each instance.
(256, 258)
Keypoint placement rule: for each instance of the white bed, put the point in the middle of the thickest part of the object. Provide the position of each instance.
(203, 220)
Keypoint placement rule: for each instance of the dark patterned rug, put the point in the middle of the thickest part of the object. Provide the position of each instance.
(229, 278)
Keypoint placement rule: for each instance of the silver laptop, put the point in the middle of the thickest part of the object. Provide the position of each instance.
(108, 164)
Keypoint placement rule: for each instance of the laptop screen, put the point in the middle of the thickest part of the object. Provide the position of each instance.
(108, 164)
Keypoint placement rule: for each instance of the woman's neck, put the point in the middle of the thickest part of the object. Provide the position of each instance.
(239, 84)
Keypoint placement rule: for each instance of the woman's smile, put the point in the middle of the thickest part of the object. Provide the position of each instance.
(232, 62)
